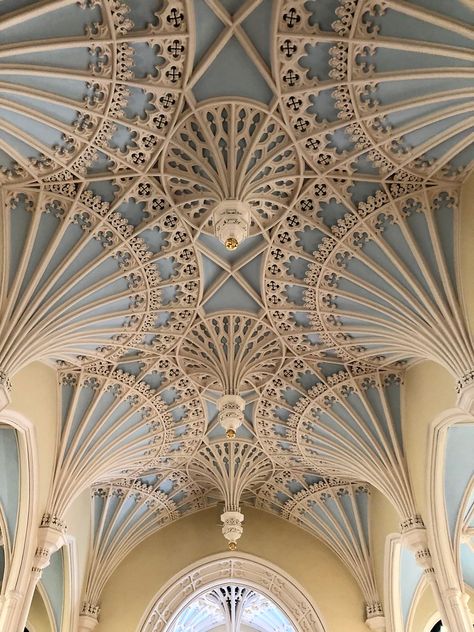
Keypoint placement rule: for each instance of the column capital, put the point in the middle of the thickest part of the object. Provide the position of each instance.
(5, 388)
(375, 617)
(89, 617)
(465, 391)
(51, 537)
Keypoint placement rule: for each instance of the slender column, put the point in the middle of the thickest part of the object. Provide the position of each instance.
(451, 603)
(51, 537)
(10, 606)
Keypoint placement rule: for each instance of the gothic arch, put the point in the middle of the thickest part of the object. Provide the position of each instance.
(248, 570)
(441, 545)
(25, 535)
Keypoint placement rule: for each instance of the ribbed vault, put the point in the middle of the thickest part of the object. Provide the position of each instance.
(230, 226)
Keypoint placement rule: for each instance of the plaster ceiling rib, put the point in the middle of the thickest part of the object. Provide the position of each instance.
(382, 285)
(340, 422)
(83, 280)
(360, 87)
(120, 91)
(229, 471)
(126, 512)
(232, 28)
(336, 512)
(120, 420)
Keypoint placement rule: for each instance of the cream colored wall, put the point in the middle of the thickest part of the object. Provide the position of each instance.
(34, 395)
(129, 593)
(466, 248)
(78, 520)
(38, 616)
(384, 520)
(429, 389)
(422, 610)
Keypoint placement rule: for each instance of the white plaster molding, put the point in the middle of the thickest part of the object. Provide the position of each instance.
(232, 528)
(19, 573)
(455, 613)
(231, 413)
(377, 623)
(249, 571)
(392, 601)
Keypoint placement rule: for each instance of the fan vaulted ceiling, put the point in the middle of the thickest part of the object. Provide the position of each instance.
(345, 129)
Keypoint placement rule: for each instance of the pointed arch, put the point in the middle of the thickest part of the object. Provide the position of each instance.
(247, 570)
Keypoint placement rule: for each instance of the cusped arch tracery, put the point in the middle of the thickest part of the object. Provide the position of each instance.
(378, 88)
(89, 87)
(374, 280)
(232, 150)
(84, 277)
(230, 353)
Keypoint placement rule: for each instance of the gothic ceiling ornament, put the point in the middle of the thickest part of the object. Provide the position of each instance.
(92, 278)
(126, 511)
(230, 471)
(374, 281)
(230, 356)
(340, 422)
(232, 162)
(88, 87)
(121, 420)
(338, 513)
(365, 95)
(265, 251)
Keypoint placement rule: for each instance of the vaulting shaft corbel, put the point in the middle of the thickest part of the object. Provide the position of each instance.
(375, 617)
(51, 537)
(89, 617)
(5, 388)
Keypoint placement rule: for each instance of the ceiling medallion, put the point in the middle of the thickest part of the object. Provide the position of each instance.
(230, 356)
(232, 169)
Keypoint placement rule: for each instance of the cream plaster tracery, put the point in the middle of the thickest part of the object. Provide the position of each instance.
(328, 190)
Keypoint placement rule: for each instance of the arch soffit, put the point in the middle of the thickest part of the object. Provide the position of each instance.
(435, 474)
(245, 569)
(28, 498)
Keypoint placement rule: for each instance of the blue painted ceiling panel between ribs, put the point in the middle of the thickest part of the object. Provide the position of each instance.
(459, 470)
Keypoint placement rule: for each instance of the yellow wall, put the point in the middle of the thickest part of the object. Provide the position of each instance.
(466, 248)
(34, 395)
(423, 608)
(429, 389)
(38, 615)
(144, 572)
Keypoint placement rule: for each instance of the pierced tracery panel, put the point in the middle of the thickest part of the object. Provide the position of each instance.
(85, 277)
(378, 87)
(89, 86)
(121, 420)
(230, 353)
(337, 421)
(232, 150)
(373, 280)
